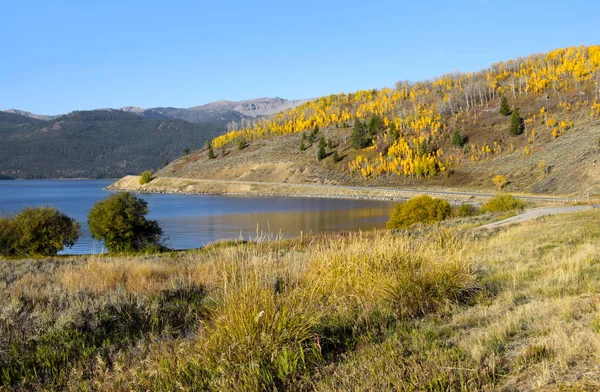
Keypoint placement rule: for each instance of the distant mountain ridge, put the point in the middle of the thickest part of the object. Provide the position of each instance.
(214, 111)
(115, 142)
(32, 115)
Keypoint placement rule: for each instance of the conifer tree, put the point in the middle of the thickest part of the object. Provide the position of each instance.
(360, 135)
(321, 154)
(336, 156)
(516, 123)
(504, 106)
(211, 153)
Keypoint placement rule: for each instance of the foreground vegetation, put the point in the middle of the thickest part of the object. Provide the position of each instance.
(433, 308)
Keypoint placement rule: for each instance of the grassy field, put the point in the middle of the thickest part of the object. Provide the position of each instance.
(443, 308)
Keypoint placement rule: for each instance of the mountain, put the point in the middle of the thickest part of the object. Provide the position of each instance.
(220, 110)
(448, 131)
(94, 144)
(31, 115)
(114, 143)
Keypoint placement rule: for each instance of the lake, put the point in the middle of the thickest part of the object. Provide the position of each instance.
(192, 221)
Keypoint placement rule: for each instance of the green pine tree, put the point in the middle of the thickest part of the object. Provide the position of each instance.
(360, 137)
(504, 106)
(209, 147)
(321, 154)
(516, 123)
(336, 156)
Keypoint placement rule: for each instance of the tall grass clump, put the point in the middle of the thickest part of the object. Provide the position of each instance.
(280, 315)
(391, 274)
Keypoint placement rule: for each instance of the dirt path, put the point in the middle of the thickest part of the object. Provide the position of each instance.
(536, 213)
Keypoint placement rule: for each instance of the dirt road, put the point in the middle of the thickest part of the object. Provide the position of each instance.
(536, 213)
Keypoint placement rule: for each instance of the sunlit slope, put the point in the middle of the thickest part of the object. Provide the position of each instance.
(448, 126)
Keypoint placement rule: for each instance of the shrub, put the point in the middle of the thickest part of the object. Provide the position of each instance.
(458, 139)
(424, 209)
(500, 181)
(120, 221)
(242, 145)
(40, 231)
(466, 210)
(501, 203)
(146, 177)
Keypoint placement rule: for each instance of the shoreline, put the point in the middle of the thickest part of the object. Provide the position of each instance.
(188, 186)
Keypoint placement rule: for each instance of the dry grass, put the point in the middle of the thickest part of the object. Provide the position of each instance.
(438, 309)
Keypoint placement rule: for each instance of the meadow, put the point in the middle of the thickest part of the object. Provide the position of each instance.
(439, 308)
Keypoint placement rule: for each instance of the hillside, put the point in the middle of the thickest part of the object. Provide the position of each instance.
(445, 132)
(94, 144)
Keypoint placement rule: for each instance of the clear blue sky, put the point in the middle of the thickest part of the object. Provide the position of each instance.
(60, 56)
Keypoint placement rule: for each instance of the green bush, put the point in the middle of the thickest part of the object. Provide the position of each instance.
(120, 221)
(501, 203)
(465, 210)
(146, 177)
(424, 209)
(458, 139)
(42, 231)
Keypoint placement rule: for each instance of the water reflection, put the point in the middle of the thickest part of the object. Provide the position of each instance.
(196, 231)
(192, 221)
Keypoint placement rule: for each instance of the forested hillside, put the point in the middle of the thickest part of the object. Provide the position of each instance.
(453, 125)
(94, 144)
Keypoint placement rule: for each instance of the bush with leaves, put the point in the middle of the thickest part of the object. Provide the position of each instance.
(502, 203)
(466, 210)
(42, 231)
(120, 221)
(146, 177)
(420, 209)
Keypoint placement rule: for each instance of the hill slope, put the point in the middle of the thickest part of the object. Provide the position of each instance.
(445, 132)
(94, 144)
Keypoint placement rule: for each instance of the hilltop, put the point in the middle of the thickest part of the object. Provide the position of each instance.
(446, 132)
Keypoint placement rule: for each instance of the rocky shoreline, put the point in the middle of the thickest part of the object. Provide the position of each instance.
(186, 186)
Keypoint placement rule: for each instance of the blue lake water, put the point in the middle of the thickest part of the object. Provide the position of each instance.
(192, 221)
